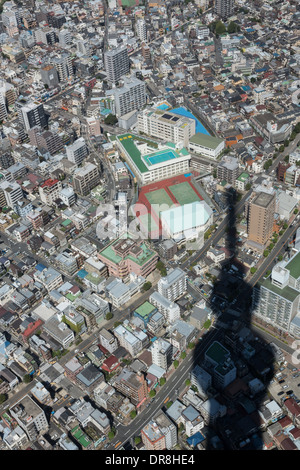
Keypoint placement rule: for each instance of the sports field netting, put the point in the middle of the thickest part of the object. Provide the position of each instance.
(184, 193)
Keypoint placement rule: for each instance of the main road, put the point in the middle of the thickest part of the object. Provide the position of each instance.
(175, 381)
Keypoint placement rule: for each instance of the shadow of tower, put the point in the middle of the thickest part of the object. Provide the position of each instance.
(233, 355)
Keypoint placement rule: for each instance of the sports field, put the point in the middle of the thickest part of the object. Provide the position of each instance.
(159, 196)
(184, 193)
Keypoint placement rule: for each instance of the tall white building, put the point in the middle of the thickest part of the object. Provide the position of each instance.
(161, 351)
(30, 417)
(166, 125)
(141, 30)
(116, 63)
(64, 67)
(129, 97)
(276, 299)
(77, 151)
(174, 285)
(12, 193)
(3, 110)
(170, 310)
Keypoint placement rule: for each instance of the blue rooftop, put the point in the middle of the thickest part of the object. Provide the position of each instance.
(181, 111)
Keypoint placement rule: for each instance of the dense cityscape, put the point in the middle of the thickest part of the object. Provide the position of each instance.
(149, 226)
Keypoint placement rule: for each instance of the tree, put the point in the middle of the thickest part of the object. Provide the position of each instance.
(147, 286)
(175, 364)
(108, 316)
(111, 119)
(187, 382)
(133, 414)
(183, 355)
(266, 253)
(27, 378)
(220, 28)
(162, 381)
(252, 270)
(248, 186)
(3, 398)
(233, 27)
(111, 434)
(137, 440)
(152, 393)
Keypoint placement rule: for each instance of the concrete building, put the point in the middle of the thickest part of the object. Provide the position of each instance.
(224, 8)
(31, 115)
(220, 365)
(276, 299)
(162, 352)
(86, 178)
(124, 256)
(50, 191)
(10, 193)
(174, 285)
(150, 161)
(167, 126)
(132, 385)
(260, 219)
(116, 63)
(30, 417)
(206, 145)
(228, 169)
(170, 310)
(131, 96)
(159, 434)
(49, 76)
(77, 151)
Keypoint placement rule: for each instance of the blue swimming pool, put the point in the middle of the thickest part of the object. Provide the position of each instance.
(184, 112)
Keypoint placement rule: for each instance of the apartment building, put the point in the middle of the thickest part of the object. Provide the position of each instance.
(10, 193)
(131, 385)
(59, 331)
(169, 309)
(31, 115)
(124, 256)
(276, 299)
(224, 8)
(162, 352)
(116, 63)
(160, 433)
(166, 125)
(85, 179)
(129, 97)
(228, 169)
(30, 417)
(260, 218)
(220, 365)
(108, 340)
(77, 151)
(174, 285)
(50, 191)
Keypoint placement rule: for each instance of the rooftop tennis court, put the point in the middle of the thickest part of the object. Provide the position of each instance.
(184, 193)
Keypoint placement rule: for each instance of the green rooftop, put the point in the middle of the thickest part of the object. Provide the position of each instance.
(294, 266)
(141, 259)
(287, 292)
(217, 353)
(81, 437)
(145, 309)
(204, 140)
(243, 177)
